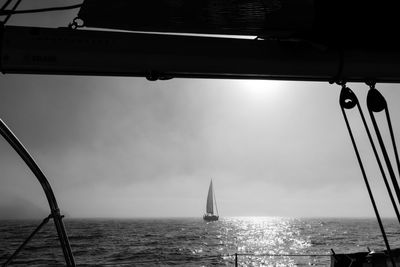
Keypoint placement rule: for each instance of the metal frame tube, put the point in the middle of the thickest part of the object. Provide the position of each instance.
(10, 137)
(62, 51)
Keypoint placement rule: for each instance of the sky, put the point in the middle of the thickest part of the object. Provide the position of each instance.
(127, 147)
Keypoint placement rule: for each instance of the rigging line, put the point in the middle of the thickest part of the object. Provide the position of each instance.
(376, 103)
(39, 10)
(379, 162)
(37, 229)
(393, 139)
(348, 100)
(13, 9)
(5, 5)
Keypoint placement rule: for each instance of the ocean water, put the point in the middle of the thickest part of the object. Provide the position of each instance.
(193, 242)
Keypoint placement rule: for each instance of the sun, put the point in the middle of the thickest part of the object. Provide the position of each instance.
(258, 91)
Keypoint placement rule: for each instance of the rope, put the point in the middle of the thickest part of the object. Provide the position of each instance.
(5, 5)
(348, 100)
(379, 164)
(393, 139)
(13, 9)
(377, 103)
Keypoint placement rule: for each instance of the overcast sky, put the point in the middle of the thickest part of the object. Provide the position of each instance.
(127, 147)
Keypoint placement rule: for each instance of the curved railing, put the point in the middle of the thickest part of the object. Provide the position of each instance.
(55, 211)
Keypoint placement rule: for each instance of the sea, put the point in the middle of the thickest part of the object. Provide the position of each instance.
(257, 241)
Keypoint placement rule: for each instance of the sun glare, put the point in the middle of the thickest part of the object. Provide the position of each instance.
(260, 91)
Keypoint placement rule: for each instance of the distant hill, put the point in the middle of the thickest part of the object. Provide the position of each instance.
(21, 209)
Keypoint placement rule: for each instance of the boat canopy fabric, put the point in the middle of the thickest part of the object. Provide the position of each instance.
(199, 16)
(349, 23)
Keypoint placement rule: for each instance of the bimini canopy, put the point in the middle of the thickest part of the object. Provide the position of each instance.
(331, 22)
(317, 40)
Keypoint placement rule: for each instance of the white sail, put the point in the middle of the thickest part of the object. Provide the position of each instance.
(215, 202)
(210, 202)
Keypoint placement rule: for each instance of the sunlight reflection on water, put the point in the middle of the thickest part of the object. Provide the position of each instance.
(266, 235)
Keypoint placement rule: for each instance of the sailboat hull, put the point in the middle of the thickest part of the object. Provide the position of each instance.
(210, 217)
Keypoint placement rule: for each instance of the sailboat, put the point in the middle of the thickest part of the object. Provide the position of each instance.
(210, 216)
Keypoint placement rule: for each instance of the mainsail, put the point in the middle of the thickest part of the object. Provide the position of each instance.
(210, 201)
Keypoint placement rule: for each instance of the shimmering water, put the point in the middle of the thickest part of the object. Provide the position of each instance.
(193, 242)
